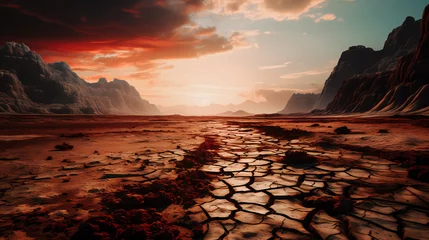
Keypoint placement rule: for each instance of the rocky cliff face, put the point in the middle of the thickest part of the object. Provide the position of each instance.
(29, 85)
(402, 90)
(300, 103)
(361, 61)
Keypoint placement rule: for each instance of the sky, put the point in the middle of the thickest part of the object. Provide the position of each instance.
(200, 52)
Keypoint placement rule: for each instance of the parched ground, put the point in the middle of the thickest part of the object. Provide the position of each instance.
(173, 177)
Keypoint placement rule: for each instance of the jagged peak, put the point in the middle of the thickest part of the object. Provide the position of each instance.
(102, 81)
(408, 21)
(13, 48)
(115, 80)
(359, 47)
(61, 66)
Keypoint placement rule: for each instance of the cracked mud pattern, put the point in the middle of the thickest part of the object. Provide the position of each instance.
(258, 197)
(255, 193)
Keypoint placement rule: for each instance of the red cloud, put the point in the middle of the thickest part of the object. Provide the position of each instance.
(99, 34)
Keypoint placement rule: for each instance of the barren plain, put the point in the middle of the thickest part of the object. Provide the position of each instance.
(173, 177)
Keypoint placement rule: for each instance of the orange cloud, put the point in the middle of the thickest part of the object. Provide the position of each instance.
(99, 35)
(262, 9)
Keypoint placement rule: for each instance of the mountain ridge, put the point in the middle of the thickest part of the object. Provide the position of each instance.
(360, 62)
(404, 90)
(30, 85)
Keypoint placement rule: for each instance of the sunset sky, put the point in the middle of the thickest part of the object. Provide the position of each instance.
(197, 52)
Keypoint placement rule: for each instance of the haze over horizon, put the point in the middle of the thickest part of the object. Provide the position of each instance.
(194, 52)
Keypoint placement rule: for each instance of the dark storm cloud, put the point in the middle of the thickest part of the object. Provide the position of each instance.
(100, 34)
(95, 20)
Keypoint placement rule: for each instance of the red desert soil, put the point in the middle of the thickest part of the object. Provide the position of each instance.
(172, 177)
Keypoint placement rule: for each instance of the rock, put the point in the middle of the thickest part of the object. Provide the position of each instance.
(49, 158)
(298, 157)
(342, 130)
(63, 147)
(419, 172)
(29, 85)
(315, 125)
(9, 158)
(383, 131)
(74, 135)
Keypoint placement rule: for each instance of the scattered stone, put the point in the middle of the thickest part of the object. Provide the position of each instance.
(96, 152)
(298, 157)
(73, 135)
(63, 147)
(9, 158)
(342, 130)
(281, 133)
(419, 172)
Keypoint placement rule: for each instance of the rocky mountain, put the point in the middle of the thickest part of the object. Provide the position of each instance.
(403, 90)
(300, 103)
(362, 61)
(30, 85)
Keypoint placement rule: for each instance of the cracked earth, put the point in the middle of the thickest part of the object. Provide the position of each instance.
(255, 191)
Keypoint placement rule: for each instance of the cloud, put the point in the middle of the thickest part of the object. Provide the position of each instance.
(264, 9)
(275, 66)
(305, 73)
(323, 17)
(102, 34)
(326, 17)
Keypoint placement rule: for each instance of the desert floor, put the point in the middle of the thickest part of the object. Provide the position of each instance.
(173, 177)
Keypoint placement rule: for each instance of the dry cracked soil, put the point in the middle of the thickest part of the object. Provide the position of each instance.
(172, 177)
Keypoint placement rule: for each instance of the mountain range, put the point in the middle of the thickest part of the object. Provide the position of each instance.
(393, 80)
(360, 81)
(30, 85)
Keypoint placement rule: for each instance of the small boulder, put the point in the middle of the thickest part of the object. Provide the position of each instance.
(298, 158)
(49, 158)
(342, 130)
(419, 172)
(383, 131)
(63, 147)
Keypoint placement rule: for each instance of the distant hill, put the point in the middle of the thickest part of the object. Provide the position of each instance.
(300, 103)
(213, 109)
(239, 113)
(30, 85)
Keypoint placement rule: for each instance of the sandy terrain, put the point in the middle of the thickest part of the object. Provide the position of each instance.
(177, 177)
